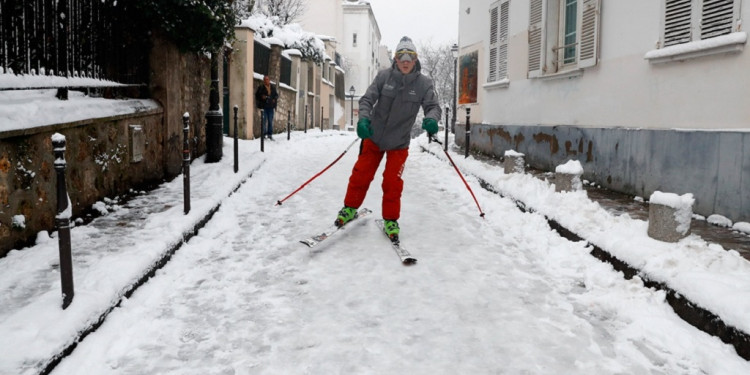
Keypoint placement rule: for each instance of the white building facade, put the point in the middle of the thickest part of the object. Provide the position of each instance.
(648, 94)
(323, 17)
(360, 46)
(352, 26)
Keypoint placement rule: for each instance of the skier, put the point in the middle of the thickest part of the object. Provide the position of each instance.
(387, 112)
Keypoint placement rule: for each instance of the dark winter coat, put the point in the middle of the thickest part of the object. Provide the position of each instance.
(392, 102)
(264, 100)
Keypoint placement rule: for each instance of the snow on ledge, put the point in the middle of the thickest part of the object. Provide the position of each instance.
(573, 167)
(503, 83)
(8, 80)
(27, 109)
(733, 42)
(672, 200)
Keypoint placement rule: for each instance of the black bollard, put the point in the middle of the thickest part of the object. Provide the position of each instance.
(468, 130)
(321, 119)
(62, 221)
(262, 136)
(288, 125)
(186, 162)
(236, 143)
(447, 109)
(305, 118)
(214, 117)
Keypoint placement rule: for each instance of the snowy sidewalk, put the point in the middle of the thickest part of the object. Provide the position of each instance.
(111, 255)
(705, 274)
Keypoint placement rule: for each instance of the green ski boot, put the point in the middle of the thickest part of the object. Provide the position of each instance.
(391, 229)
(345, 215)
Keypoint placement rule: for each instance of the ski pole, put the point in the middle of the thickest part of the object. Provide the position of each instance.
(278, 203)
(434, 139)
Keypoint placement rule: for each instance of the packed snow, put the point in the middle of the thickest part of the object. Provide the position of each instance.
(503, 294)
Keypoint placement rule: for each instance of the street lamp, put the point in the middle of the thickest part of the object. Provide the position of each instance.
(351, 95)
(454, 52)
(214, 116)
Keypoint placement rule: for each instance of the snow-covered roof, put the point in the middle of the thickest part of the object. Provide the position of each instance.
(289, 36)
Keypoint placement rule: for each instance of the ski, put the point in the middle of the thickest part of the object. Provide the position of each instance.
(406, 257)
(333, 229)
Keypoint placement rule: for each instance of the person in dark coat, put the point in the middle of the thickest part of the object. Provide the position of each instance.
(266, 97)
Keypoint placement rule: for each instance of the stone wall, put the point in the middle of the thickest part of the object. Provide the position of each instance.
(99, 164)
(711, 165)
(98, 153)
(284, 110)
(180, 82)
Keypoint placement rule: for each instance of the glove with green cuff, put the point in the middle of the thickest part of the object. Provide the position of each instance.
(430, 125)
(364, 130)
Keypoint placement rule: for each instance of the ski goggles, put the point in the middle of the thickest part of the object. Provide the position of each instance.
(406, 55)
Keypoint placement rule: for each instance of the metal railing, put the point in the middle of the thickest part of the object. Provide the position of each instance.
(67, 38)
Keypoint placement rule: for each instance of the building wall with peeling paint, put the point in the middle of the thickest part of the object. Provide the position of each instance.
(678, 124)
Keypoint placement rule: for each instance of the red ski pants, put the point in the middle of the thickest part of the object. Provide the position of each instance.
(363, 173)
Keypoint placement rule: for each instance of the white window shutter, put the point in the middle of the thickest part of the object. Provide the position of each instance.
(502, 48)
(492, 76)
(677, 22)
(536, 32)
(589, 17)
(717, 18)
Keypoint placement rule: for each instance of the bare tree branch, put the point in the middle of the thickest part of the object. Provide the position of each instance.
(244, 8)
(287, 11)
(437, 63)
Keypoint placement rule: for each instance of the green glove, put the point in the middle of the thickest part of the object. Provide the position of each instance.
(364, 130)
(430, 124)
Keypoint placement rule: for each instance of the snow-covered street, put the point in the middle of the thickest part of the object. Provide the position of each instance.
(500, 295)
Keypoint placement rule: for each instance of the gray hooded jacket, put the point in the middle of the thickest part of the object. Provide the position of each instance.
(392, 102)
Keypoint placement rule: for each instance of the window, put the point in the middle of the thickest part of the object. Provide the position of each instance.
(692, 20)
(568, 43)
(563, 36)
(696, 28)
(498, 56)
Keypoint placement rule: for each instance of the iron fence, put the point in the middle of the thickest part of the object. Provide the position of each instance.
(261, 59)
(101, 39)
(286, 71)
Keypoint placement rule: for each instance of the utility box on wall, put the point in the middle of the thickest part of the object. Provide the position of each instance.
(136, 143)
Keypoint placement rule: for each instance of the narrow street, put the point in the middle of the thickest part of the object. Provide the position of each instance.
(500, 295)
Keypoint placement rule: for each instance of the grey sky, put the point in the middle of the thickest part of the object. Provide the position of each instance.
(422, 20)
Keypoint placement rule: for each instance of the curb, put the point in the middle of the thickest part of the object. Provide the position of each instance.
(156, 266)
(688, 311)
